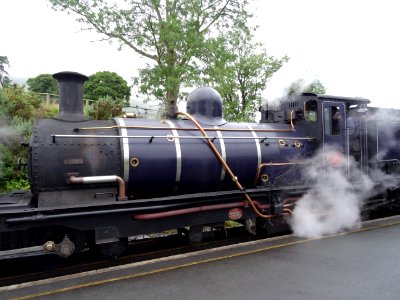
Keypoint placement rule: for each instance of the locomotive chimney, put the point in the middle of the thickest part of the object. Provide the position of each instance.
(71, 95)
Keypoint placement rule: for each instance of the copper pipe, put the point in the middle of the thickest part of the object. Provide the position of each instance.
(101, 179)
(287, 210)
(185, 211)
(291, 120)
(224, 164)
(273, 164)
(178, 212)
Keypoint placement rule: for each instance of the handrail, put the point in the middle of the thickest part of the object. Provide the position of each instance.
(190, 128)
(54, 136)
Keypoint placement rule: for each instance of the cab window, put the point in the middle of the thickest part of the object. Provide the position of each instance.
(332, 120)
(310, 109)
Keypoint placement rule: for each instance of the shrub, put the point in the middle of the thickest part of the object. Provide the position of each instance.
(16, 112)
(19, 103)
(104, 109)
(11, 175)
(47, 110)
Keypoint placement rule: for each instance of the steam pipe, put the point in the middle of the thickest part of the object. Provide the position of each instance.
(40, 217)
(189, 210)
(184, 211)
(102, 179)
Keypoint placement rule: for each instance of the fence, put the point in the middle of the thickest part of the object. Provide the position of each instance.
(55, 99)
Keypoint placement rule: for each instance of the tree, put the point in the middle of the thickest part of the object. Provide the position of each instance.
(3, 73)
(239, 69)
(43, 83)
(316, 87)
(107, 84)
(171, 34)
(299, 86)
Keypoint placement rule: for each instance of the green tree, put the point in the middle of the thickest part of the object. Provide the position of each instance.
(316, 87)
(3, 73)
(43, 83)
(172, 34)
(107, 84)
(299, 86)
(239, 69)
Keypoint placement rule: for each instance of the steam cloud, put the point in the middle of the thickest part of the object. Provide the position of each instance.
(333, 204)
(7, 135)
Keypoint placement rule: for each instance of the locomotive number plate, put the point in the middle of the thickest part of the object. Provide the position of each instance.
(235, 213)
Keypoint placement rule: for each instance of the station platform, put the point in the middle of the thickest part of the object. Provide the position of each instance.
(360, 264)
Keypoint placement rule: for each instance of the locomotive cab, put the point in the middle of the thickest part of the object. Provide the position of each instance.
(325, 118)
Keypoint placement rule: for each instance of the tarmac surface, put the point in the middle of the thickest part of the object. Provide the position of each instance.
(361, 264)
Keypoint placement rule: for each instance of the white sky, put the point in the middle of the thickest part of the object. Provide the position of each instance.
(352, 46)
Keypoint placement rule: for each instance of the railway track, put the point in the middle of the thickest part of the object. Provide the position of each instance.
(26, 269)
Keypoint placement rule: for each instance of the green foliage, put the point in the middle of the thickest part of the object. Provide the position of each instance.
(239, 69)
(105, 109)
(10, 174)
(16, 102)
(316, 87)
(3, 73)
(47, 110)
(107, 84)
(7, 82)
(43, 83)
(11, 136)
(172, 34)
(299, 86)
(17, 110)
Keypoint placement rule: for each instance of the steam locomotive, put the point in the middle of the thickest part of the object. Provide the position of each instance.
(96, 183)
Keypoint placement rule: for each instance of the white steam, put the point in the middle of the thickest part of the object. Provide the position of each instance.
(7, 135)
(333, 203)
(388, 131)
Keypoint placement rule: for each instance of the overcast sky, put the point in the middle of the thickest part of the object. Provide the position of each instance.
(351, 46)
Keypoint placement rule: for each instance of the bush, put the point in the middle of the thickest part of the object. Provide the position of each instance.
(16, 112)
(47, 111)
(16, 184)
(11, 150)
(16, 102)
(104, 109)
